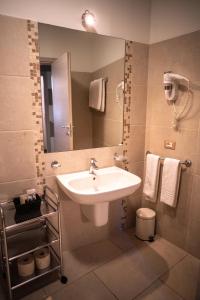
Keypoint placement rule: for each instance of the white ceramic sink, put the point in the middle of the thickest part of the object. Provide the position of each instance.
(94, 192)
(109, 184)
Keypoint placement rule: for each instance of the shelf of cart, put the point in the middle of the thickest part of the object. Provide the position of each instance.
(18, 281)
(30, 240)
(9, 214)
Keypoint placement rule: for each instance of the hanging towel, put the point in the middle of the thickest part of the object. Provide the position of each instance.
(170, 181)
(150, 188)
(97, 94)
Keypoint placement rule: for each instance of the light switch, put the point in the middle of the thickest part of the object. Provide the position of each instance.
(170, 145)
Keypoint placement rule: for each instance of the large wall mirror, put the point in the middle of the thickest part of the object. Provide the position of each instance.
(82, 83)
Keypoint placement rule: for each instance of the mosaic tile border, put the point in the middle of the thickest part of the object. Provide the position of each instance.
(127, 116)
(32, 28)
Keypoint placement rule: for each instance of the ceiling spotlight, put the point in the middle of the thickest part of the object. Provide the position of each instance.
(88, 19)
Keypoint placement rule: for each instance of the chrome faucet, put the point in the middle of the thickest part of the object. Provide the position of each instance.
(93, 166)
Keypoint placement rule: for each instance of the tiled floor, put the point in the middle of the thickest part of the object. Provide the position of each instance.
(126, 268)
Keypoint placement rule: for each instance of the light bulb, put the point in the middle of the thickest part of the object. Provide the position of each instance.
(88, 19)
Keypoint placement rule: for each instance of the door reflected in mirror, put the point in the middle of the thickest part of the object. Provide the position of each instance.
(82, 84)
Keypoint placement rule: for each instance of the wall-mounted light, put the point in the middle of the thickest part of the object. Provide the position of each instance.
(88, 20)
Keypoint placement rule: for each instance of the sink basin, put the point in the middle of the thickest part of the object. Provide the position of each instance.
(94, 192)
(109, 184)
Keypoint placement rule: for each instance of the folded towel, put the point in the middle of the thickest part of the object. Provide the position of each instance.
(170, 181)
(150, 188)
(97, 94)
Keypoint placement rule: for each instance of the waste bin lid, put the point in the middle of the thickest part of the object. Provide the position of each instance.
(145, 213)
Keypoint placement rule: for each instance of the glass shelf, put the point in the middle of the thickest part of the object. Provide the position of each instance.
(30, 240)
(18, 281)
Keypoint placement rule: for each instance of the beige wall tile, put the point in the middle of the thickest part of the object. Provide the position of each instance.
(16, 103)
(186, 142)
(173, 222)
(16, 156)
(136, 143)
(180, 55)
(82, 115)
(133, 203)
(138, 105)
(140, 63)
(114, 72)
(105, 131)
(160, 112)
(14, 56)
(114, 110)
(74, 161)
(193, 237)
(14, 188)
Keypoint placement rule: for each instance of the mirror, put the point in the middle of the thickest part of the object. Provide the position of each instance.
(82, 84)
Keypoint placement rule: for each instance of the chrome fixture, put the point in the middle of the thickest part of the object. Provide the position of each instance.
(93, 166)
(120, 157)
(55, 164)
(186, 162)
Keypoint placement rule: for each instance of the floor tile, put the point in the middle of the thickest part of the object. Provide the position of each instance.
(122, 240)
(39, 295)
(53, 287)
(86, 288)
(168, 251)
(123, 278)
(87, 258)
(158, 291)
(137, 268)
(184, 278)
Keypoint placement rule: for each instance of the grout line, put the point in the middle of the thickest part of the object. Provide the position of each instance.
(105, 285)
(170, 270)
(140, 293)
(18, 181)
(172, 267)
(174, 291)
(17, 131)
(15, 75)
(153, 284)
(159, 278)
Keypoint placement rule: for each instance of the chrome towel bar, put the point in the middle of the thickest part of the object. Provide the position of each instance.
(186, 162)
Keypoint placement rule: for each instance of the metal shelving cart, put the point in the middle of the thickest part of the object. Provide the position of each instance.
(19, 239)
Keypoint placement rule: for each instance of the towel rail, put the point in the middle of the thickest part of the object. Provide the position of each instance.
(186, 162)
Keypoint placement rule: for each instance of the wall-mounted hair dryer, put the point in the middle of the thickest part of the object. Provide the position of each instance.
(170, 81)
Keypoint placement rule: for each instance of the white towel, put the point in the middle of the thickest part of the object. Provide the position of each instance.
(170, 181)
(150, 188)
(97, 94)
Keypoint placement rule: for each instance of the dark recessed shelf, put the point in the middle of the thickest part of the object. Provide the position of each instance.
(30, 240)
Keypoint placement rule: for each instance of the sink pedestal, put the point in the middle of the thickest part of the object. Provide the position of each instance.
(97, 213)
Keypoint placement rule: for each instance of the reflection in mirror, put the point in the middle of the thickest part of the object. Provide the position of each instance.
(82, 83)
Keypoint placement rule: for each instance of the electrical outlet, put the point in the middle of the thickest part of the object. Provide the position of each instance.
(170, 145)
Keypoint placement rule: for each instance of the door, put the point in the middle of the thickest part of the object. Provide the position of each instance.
(62, 103)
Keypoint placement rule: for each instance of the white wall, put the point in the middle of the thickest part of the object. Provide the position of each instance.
(54, 41)
(128, 19)
(106, 50)
(172, 18)
(89, 51)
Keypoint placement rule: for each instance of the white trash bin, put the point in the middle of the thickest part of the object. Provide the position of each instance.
(145, 224)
